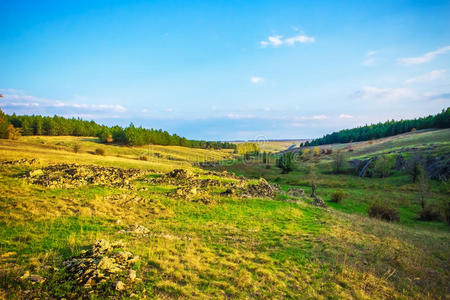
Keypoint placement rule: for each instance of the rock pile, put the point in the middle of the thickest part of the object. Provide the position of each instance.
(261, 189)
(23, 161)
(73, 175)
(319, 202)
(102, 263)
(136, 230)
(295, 192)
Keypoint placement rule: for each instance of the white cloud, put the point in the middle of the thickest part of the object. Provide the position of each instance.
(424, 58)
(320, 117)
(370, 59)
(299, 39)
(256, 79)
(344, 116)
(274, 40)
(240, 116)
(277, 40)
(369, 92)
(19, 102)
(433, 75)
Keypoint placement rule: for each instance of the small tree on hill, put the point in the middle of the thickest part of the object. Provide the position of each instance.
(422, 185)
(339, 162)
(286, 162)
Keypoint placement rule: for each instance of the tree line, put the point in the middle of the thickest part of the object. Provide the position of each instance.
(11, 125)
(380, 130)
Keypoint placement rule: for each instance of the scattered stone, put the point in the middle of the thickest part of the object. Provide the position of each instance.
(228, 192)
(136, 229)
(23, 161)
(295, 192)
(74, 175)
(119, 286)
(36, 279)
(400, 163)
(319, 202)
(103, 262)
(132, 274)
(25, 275)
(261, 189)
(36, 173)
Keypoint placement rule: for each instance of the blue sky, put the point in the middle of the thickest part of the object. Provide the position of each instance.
(226, 69)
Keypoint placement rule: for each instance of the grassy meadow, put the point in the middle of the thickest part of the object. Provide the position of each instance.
(232, 247)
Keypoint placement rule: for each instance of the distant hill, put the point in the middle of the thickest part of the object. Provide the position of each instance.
(379, 130)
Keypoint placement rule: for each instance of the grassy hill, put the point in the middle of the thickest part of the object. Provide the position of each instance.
(210, 243)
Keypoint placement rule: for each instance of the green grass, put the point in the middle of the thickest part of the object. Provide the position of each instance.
(232, 248)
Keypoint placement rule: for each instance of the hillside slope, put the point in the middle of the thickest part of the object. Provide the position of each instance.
(194, 238)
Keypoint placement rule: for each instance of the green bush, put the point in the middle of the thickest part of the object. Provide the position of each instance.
(286, 162)
(383, 166)
(339, 162)
(100, 151)
(337, 196)
(383, 212)
(430, 213)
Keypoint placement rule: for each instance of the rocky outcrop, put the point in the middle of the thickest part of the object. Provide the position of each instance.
(23, 161)
(363, 168)
(74, 175)
(261, 189)
(104, 262)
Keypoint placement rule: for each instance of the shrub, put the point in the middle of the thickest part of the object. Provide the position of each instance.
(286, 162)
(316, 151)
(415, 167)
(339, 162)
(337, 196)
(267, 167)
(76, 148)
(383, 166)
(429, 213)
(143, 157)
(100, 151)
(383, 212)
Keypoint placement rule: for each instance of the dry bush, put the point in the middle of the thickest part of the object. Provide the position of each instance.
(316, 151)
(384, 212)
(337, 196)
(76, 148)
(100, 151)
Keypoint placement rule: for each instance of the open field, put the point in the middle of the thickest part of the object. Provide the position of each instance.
(226, 247)
(275, 146)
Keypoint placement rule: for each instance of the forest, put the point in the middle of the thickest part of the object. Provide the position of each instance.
(13, 125)
(380, 130)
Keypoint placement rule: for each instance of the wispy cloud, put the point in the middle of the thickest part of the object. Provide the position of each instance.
(256, 79)
(21, 103)
(424, 58)
(370, 92)
(345, 116)
(319, 117)
(278, 40)
(369, 59)
(433, 75)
